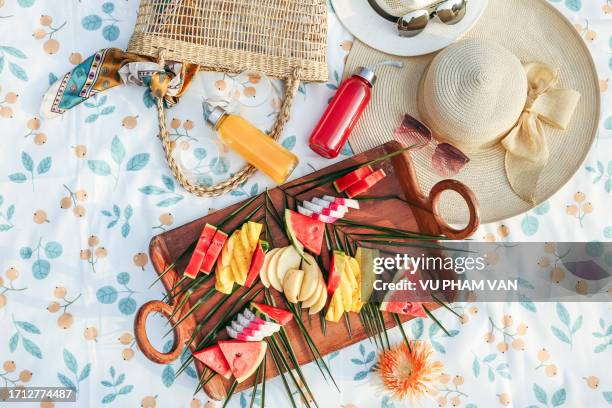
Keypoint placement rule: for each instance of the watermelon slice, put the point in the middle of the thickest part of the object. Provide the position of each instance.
(364, 185)
(214, 359)
(347, 202)
(304, 232)
(407, 308)
(394, 303)
(351, 178)
(271, 313)
(256, 264)
(335, 271)
(243, 357)
(213, 252)
(197, 258)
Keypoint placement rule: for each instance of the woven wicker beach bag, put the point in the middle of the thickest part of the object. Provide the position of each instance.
(285, 39)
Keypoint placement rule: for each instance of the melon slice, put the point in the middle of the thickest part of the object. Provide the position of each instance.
(288, 259)
(213, 358)
(304, 232)
(197, 258)
(406, 308)
(310, 282)
(336, 270)
(243, 357)
(256, 265)
(263, 274)
(272, 267)
(292, 283)
(364, 185)
(311, 301)
(351, 178)
(271, 313)
(399, 306)
(213, 252)
(320, 303)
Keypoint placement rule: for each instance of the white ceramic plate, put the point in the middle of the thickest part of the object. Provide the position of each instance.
(362, 21)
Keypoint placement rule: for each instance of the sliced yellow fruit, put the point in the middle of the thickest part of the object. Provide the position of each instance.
(292, 282)
(320, 303)
(224, 279)
(356, 272)
(228, 250)
(254, 231)
(338, 314)
(242, 257)
(244, 238)
(348, 268)
(329, 315)
(311, 280)
(225, 289)
(312, 300)
(236, 275)
(354, 267)
(346, 287)
(336, 307)
(288, 259)
(263, 274)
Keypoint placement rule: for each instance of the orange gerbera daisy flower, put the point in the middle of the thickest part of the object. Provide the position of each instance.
(408, 372)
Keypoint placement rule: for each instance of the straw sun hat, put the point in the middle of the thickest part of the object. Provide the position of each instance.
(518, 95)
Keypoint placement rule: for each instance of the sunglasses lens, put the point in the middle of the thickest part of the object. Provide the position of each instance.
(413, 23)
(452, 11)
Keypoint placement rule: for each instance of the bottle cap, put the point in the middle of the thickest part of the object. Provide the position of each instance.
(215, 115)
(366, 73)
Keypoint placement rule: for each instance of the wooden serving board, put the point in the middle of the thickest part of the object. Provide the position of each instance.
(419, 216)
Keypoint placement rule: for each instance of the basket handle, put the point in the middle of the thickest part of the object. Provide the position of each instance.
(291, 88)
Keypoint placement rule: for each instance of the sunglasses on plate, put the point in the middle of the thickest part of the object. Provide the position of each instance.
(413, 23)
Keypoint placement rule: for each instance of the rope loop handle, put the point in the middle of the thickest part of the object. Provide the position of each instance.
(291, 88)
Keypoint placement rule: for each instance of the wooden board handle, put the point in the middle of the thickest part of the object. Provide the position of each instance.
(140, 329)
(470, 200)
(426, 208)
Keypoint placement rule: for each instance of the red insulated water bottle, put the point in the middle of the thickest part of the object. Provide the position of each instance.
(344, 110)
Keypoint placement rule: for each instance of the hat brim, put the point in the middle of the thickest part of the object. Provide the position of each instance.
(362, 21)
(533, 31)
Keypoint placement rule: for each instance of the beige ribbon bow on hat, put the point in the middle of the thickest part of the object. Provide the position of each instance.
(526, 146)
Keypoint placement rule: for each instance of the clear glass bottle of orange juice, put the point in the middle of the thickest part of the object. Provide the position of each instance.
(257, 148)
